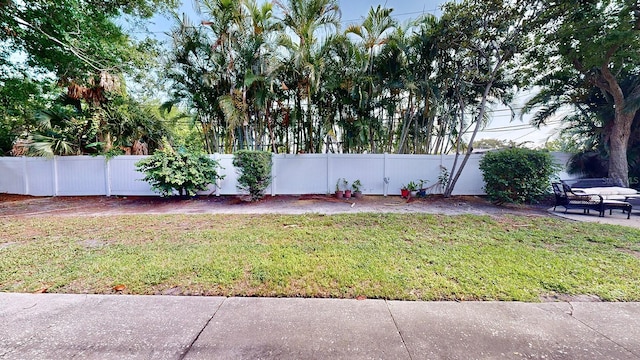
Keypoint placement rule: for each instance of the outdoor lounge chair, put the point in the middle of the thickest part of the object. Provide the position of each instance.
(566, 198)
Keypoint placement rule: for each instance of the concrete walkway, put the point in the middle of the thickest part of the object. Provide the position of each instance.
(55, 326)
(616, 217)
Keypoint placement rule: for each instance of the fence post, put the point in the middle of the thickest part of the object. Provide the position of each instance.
(274, 176)
(107, 173)
(56, 180)
(385, 180)
(25, 175)
(217, 183)
(328, 173)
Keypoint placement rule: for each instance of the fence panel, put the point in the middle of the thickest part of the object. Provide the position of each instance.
(562, 159)
(40, 176)
(227, 186)
(470, 181)
(369, 169)
(81, 175)
(125, 180)
(292, 174)
(401, 169)
(12, 175)
(300, 174)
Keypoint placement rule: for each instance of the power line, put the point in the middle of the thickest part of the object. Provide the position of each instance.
(518, 127)
(430, 11)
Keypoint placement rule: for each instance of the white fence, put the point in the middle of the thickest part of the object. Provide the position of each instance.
(292, 174)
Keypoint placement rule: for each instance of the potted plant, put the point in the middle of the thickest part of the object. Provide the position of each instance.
(412, 187)
(356, 189)
(404, 191)
(339, 192)
(422, 191)
(347, 191)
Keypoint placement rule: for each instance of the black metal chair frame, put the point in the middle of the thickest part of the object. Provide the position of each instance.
(569, 200)
(566, 198)
(614, 204)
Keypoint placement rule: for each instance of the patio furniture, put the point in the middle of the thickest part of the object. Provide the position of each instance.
(609, 189)
(591, 183)
(616, 204)
(568, 199)
(634, 200)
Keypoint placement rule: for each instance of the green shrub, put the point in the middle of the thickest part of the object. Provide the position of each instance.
(517, 175)
(254, 168)
(186, 172)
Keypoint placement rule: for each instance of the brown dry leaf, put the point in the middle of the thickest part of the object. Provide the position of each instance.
(361, 297)
(119, 287)
(41, 291)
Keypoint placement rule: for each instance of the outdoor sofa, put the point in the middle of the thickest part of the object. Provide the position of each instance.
(594, 194)
(609, 189)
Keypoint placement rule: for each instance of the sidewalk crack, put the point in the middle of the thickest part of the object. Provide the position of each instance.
(188, 349)
(599, 333)
(395, 323)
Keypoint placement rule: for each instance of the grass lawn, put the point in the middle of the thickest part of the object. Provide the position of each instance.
(391, 256)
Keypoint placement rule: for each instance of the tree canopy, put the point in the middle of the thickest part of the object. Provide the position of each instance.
(72, 44)
(594, 44)
(285, 77)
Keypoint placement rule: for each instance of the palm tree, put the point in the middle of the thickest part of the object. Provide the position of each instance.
(198, 80)
(373, 33)
(258, 52)
(305, 19)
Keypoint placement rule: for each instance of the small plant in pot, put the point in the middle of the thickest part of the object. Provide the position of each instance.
(347, 190)
(422, 190)
(339, 194)
(411, 188)
(404, 191)
(356, 189)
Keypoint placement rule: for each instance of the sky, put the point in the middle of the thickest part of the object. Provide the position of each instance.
(501, 126)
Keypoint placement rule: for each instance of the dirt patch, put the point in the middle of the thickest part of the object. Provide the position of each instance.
(18, 205)
(631, 252)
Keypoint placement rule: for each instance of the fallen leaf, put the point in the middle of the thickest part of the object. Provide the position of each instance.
(361, 297)
(119, 287)
(40, 291)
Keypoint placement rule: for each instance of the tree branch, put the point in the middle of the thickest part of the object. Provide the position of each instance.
(76, 52)
(613, 86)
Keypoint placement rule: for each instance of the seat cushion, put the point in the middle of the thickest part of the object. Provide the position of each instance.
(611, 190)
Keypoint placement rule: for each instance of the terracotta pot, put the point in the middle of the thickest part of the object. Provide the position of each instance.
(357, 194)
(347, 194)
(339, 194)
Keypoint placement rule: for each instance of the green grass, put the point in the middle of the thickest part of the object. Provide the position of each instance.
(391, 256)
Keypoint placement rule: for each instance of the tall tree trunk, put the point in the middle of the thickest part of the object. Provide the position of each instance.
(406, 126)
(309, 146)
(621, 130)
(618, 145)
(483, 107)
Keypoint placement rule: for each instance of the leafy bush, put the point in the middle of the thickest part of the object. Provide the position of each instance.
(517, 175)
(168, 170)
(254, 168)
